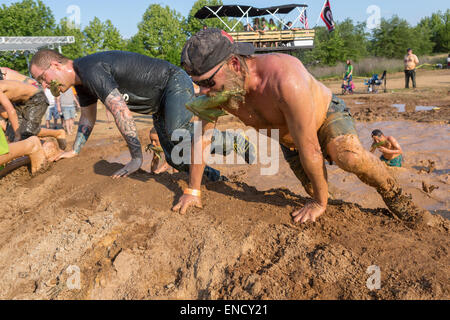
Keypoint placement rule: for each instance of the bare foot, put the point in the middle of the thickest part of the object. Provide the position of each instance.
(37, 156)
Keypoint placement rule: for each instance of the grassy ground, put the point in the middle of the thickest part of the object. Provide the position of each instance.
(367, 67)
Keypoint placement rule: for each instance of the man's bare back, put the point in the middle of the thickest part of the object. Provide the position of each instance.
(10, 74)
(271, 87)
(17, 91)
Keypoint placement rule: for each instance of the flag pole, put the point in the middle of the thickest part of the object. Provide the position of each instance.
(318, 19)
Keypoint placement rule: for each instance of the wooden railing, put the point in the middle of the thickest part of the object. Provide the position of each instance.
(273, 36)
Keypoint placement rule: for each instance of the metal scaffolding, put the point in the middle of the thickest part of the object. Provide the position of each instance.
(33, 44)
(30, 45)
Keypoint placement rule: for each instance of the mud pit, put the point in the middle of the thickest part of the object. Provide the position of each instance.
(127, 243)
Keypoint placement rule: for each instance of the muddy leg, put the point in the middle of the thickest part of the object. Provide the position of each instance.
(30, 147)
(349, 155)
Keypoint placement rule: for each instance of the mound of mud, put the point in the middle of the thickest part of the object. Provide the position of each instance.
(122, 242)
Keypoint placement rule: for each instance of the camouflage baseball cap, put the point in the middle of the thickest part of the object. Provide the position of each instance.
(209, 47)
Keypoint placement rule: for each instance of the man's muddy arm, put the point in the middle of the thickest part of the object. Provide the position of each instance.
(85, 127)
(299, 113)
(12, 114)
(127, 127)
(200, 147)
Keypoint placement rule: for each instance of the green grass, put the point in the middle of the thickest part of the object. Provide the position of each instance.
(369, 66)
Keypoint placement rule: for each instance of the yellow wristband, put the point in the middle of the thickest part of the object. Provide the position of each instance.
(193, 192)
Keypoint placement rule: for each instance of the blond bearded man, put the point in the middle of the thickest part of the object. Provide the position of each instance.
(281, 94)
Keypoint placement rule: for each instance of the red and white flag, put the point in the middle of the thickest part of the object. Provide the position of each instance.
(304, 19)
(327, 16)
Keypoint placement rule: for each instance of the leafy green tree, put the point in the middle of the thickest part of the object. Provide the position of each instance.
(26, 18)
(439, 26)
(160, 34)
(23, 19)
(102, 36)
(74, 50)
(396, 35)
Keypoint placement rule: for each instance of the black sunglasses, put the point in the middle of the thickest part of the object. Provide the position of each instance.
(208, 83)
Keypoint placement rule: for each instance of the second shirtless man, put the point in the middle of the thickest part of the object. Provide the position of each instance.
(313, 124)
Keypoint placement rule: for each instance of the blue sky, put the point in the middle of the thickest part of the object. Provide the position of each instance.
(125, 15)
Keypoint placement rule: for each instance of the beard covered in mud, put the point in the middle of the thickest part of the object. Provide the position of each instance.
(235, 82)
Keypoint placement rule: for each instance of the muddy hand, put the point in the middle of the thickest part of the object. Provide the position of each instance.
(311, 211)
(66, 155)
(133, 166)
(187, 201)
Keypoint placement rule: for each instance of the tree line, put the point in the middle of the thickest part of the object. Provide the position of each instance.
(163, 31)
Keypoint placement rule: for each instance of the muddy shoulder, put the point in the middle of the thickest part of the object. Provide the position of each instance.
(121, 241)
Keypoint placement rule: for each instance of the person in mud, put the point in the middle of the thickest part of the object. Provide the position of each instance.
(158, 165)
(313, 124)
(24, 105)
(392, 153)
(10, 74)
(30, 150)
(125, 82)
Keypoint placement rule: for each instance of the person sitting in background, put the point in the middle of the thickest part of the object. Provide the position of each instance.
(392, 153)
(289, 27)
(256, 25)
(249, 28)
(272, 25)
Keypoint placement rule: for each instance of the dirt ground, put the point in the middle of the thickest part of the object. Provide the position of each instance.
(123, 241)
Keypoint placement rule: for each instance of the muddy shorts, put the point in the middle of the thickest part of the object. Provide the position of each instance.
(30, 114)
(396, 162)
(339, 122)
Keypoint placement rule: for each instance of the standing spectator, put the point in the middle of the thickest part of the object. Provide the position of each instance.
(205, 27)
(448, 61)
(349, 72)
(52, 111)
(411, 62)
(67, 102)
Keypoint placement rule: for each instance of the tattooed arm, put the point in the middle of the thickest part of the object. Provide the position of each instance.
(127, 127)
(86, 124)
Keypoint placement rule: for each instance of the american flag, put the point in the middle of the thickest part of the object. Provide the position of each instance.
(304, 19)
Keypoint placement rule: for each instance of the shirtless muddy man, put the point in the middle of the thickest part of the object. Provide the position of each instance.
(314, 125)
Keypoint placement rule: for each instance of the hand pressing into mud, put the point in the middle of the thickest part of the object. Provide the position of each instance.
(132, 166)
(187, 201)
(311, 211)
